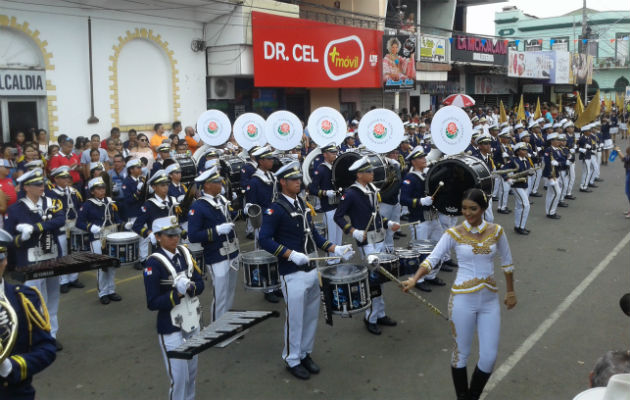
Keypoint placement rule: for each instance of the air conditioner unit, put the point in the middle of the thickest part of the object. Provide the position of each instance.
(221, 88)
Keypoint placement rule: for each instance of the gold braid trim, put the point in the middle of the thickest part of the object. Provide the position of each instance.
(479, 246)
(310, 206)
(195, 266)
(455, 355)
(22, 363)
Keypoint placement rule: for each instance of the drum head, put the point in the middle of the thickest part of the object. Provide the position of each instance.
(194, 247)
(451, 130)
(258, 257)
(344, 272)
(214, 127)
(459, 173)
(249, 130)
(381, 130)
(386, 257)
(122, 236)
(327, 125)
(342, 178)
(283, 130)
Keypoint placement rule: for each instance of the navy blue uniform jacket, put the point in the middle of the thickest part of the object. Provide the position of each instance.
(203, 219)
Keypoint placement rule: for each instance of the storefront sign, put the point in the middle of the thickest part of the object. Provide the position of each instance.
(432, 49)
(399, 62)
(20, 82)
(291, 52)
(479, 50)
(493, 84)
(533, 88)
(560, 73)
(549, 65)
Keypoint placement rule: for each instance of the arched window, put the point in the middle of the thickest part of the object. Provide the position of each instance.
(620, 85)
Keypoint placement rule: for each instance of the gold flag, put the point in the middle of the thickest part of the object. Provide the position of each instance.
(608, 104)
(560, 105)
(579, 106)
(537, 113)
(619, 101)
(502, 115)
(591, 112)
(520, 114)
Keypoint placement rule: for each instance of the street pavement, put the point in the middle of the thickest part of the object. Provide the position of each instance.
(547, 347)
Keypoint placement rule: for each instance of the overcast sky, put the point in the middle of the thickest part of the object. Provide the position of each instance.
(480, 19)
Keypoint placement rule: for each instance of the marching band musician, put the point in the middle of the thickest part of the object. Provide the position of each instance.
(157, 206)
(99, 216)
(522, 206)
(586, 148)
(132, 189)
(247, 171)
(34, 222)
(71, 200)
(262, 190)
(390, 207)
(538, 145)
(176, 189)
(484, 143)
(596, 160)
(564, 168)
(210, 223)
(572, 146)
(474, 301)
(172, 280)
(34, 349)
(554, 159)
(279, 235)
(360, 203)
(413, 196)
(164, 153)
(323, 187)
(501, 158)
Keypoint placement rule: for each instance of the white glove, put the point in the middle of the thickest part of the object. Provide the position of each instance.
(393, 224)
(569, 162)
(95, 229)
(426, 201)
(554, 163)
(152, 238)
(588, 146)
(510, 182)
(180, 198)
(246, 208)
(571, 151)
(298, 258)
(344, 251)
(128, 226)
(27, 231)
(225, 228)
(358, 235)
(330, 194)
(140, 185)
(505, 155)
(6, 367)
(234, 196)
(538, 149)
(582, 150)
(181, 284)
(23, 227)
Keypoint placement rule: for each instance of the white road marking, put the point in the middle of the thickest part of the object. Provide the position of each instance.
(530, 342)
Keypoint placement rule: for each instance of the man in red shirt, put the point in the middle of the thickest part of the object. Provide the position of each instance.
(114, 133)
(67, 157)
(6, 185)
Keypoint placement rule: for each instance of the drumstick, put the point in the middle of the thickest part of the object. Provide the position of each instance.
(438, 189)
(323, 258)
(410, 223)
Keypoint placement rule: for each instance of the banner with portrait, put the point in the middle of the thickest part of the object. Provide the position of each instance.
(581, 69)
(399, 62)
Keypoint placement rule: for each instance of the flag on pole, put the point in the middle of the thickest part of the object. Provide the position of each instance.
(560, 105)
(619, 101)
(579, 106)
(591, 112)
(502, 115)
(537, 113)
(520, 114)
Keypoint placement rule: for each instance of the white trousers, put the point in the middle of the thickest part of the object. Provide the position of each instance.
(571, 180)
(587, 173)
(377, 309)
(553, 196)
(595, 162)
(67, 278)
(334, 232)
(301, 296)
(478, 311)
(564, 183)
(223, 283)
(497, 186)
(181, 373)
(392, 213)
(536, 182)
(488, 215)
(49, 288)
(504, 194)
(521, 209)
(104, 277)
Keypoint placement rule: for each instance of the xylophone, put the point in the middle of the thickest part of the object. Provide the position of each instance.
(76, 262)
(228, 325)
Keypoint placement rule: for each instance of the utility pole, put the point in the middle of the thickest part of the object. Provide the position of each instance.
(585, 35)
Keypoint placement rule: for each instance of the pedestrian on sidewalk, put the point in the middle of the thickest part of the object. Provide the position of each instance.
(626, 164)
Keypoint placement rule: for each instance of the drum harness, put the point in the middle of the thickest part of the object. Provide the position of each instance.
(373, 194)
(70, 222)
(430, 213)
(229, 246)
(309, 243)
(46, 247)
(108, 223)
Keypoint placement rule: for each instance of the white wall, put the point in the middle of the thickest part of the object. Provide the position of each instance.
(66, 37)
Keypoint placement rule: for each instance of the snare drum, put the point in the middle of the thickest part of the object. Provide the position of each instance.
(321, 228)
(390, 263)
(424, 248)
(345, 288)
(231, 169)
(189, 169)
(409, 260)
(260, 270)
(124, 246)
(79, 240)
(196, 251)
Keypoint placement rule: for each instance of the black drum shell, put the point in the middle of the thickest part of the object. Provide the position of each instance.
(384, 173)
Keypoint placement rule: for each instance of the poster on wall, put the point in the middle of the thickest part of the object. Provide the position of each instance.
(493, 84)
(399, 62)
(479, 50)
(530, 64)
(432, 49)
(293, 52)
(581, 69)
(561, 67)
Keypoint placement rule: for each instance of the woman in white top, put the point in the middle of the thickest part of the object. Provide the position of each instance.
(474, 301)
(142, 149)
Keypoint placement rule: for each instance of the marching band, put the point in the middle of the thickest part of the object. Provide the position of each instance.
(179, 225)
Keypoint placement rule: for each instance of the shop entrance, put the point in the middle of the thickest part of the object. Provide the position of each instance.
(21, 114)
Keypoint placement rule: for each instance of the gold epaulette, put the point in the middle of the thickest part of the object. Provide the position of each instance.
(39, 318)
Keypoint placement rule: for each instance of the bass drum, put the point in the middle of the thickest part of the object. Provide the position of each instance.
(459, 173)
(231, 170)
(282, 161)
(385, 174)
(189, 169)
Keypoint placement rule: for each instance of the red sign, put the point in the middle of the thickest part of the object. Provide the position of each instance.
(292, 52)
